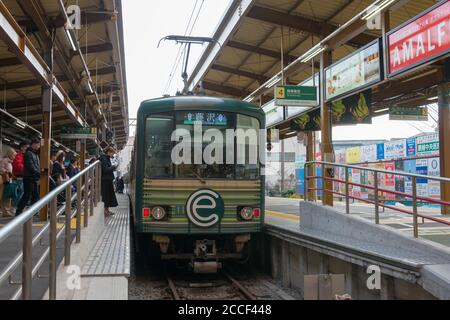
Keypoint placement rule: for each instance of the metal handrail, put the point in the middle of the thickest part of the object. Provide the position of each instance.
(90, 199)
(375, 187)
(397, 173)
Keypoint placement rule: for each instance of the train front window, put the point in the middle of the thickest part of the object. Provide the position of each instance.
(158, 146)
(247, 148)
(213, 125)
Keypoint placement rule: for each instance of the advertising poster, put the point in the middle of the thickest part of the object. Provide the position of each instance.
(355, 109)
(422, 184)
(369, 153)
(307, 122)
(390, 179)
(380, 151)
(340, 156)
(353, 155)
(410, 147)
(395, 150)
(354, 72)
(420, 41)
(428, 145)
(409, 166)
(356, 178)
(365, 181)
(434, 187)
(300, 176)
(399, 180)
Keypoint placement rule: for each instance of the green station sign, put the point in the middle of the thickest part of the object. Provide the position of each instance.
(302, 96)
(408, 113)
(78, 133)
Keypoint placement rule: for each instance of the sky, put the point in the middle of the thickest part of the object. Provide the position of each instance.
(145, 23)
(149, 67)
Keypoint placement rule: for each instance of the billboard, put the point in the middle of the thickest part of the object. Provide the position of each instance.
(410, 147)
(356, 71)
(424, 38)
(428, 145)
(395, 150)
(369, 153)
(353, 155)
(356, 109)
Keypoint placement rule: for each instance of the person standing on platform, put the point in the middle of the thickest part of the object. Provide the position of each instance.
(108, 194)
(32, 174)
(6, 177)
(18, 172)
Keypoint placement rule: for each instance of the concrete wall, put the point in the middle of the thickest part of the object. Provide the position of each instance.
(288, 263)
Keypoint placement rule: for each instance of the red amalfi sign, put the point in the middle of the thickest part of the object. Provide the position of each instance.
(421, 40)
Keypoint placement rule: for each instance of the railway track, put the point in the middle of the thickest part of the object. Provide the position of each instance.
(244, 293)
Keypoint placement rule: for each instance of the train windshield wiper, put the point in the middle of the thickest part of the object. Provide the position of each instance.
(198, 176)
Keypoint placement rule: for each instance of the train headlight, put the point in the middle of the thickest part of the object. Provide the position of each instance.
(158, 213)
(247, 213)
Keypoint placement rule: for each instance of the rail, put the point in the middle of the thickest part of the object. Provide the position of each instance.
(88, 195)
(375, 187)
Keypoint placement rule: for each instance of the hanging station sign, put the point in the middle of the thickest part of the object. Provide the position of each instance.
(421, 40)
(78, 133)
(292, 111)
(302, 96)
(408, 113)
(359, 70)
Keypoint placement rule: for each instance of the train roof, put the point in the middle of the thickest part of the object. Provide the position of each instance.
(200, 102)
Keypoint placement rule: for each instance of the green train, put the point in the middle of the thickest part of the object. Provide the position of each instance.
(197, 179)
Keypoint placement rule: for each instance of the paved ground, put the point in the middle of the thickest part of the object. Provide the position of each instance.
(289, 209)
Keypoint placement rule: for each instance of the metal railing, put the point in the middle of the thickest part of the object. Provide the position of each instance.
(88, 184)
(375, 187)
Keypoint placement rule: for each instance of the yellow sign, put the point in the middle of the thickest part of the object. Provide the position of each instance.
(353, 155)
(281, 93)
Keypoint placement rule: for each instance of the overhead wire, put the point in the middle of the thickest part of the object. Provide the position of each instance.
(181, 50)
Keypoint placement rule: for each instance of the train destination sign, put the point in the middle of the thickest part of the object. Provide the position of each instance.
(302, 96)
(421, 40)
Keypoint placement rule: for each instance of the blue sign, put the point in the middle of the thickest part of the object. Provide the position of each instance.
(380, 151)
(410, 147)
(423, 171)
(300, 175)
(409, 166)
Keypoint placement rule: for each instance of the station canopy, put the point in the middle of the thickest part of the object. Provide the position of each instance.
(254, 34)
(89, 82)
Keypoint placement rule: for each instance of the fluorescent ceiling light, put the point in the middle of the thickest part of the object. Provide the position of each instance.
(432, 98)
(382, 110)
(71, 40)
(89, 87)
(20, 124)
(373, 10)
(273, 82)
(312, 53)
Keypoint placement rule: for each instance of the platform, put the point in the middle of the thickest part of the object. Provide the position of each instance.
(102, 258)
(111, 254)
(355, 239)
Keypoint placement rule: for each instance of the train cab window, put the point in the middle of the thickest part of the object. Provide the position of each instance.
(158, 146)
(247, 150)
(220, 121)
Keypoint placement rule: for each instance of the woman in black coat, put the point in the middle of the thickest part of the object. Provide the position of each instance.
(108, 193)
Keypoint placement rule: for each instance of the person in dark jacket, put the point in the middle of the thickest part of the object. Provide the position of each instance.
(108, 194)
(31, 176)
